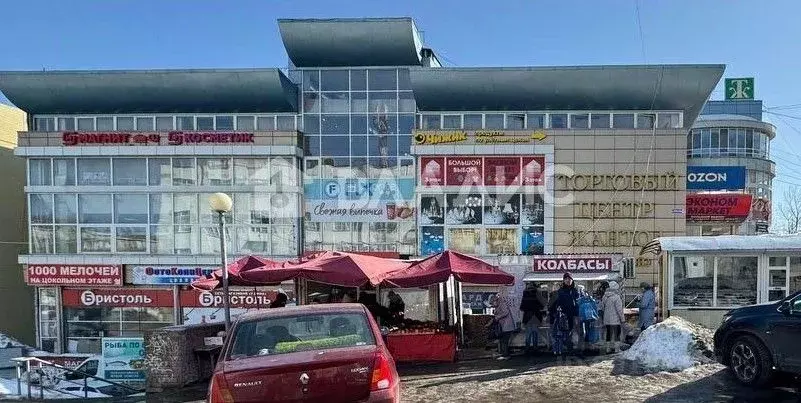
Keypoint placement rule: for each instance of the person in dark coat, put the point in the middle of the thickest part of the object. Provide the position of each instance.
(533, 308)
(280, 300)
(566, 302)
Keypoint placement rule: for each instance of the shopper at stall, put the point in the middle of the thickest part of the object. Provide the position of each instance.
(532, 306)
(505, 320)
(565, 301)
(280, 300)
(588, 315)
(647, 306)
(396, 306)
(612, 305)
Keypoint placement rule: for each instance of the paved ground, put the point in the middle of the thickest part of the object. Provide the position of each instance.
(546, 378)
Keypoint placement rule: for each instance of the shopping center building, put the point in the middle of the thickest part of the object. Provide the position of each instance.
(729, 160)
(365, 143)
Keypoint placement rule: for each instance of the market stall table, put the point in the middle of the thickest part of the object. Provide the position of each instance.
(420, 347)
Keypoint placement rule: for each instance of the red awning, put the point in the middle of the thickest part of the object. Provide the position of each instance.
(341, 268)
(438, 268)
(236, 269)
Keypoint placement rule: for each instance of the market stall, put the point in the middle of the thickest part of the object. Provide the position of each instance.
(446, 270)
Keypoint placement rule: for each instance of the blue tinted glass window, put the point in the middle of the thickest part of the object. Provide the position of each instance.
(559, 121)
(383, 145)
(358, 145)
(311, 146)
(358, 124)
(335, 145)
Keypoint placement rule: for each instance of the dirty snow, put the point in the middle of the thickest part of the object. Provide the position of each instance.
(672, 345)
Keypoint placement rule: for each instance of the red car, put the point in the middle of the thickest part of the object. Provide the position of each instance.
(313, 353)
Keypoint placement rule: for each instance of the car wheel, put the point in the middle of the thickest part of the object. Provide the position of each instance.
(750, 361)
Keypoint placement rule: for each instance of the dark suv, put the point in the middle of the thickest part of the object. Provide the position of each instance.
(757, 341)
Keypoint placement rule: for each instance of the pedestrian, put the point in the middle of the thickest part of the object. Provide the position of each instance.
(588, 315)
(506, 321)
(280, 300)
(612, 306)
(647, 306)
(565, 305)
(532, 306)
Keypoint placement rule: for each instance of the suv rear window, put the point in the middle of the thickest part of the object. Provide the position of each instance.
(289, 334)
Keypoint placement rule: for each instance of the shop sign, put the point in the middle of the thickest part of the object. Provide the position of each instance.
(739, 88)
(761, 228)
(176, 138)
(461, 171)
(612, 239)
(487, 171)
(117, 297)
(760, 210)
(573, 264)
(715, 178)
(159, 275)
(437, 137)
(348, 211)
(61, 274)
(718, 206)
(666, 181)
(389, 189)
(70, 361)
(124, 358)
(239, 298)
(477, 300)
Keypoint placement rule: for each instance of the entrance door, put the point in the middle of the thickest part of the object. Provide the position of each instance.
(778, 283)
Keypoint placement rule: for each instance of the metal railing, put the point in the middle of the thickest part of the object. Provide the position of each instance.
(39, 364)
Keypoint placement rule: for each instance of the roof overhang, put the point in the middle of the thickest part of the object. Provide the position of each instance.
(150, 91)
(343, 42)
(724, 243)
(657, 87)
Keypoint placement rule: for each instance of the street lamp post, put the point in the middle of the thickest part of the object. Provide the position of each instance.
(221, 204)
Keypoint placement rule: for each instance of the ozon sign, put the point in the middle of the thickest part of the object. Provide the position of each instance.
(715, 178)
(118, 297)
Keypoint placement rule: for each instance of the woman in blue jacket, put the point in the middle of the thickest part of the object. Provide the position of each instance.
(647, 306)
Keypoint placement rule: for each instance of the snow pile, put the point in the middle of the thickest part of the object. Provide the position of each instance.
(672, 345)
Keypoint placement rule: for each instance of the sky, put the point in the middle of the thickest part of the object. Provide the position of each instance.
(754, 38)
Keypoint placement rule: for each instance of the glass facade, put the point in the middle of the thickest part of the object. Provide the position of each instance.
(728, 142)
(165, 123)
(547, 120)
(149, 206)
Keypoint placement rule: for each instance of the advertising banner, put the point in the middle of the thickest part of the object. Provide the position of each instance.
(533, 172)
(463, 171)
(760, 210)
(171, 275)
(477, 300)
(61, 274)
(239, 298)
(501, 171)
(432, 171)
(349, 211)
(446, 137)
(123, 359)
(176, 138)
(384, 189)
(573, 264)
(715, 178)
(718, 206)
(116, 297)
(487, 171)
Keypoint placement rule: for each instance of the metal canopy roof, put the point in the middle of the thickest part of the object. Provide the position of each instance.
(725, 243)
(345, 42)
(150, 91)
(660, 87)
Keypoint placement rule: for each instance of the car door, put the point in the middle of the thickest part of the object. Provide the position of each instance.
(786, 329)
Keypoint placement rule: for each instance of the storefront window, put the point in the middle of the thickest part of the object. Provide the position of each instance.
(693, 279)
(41, 208)
(66, 209)
(795, 274)
(131, 239)
(64, 172)
(66, 239)
(736, 281)
(94, 171)
(39, 172)
(48, 319)
(94, 209)
(130, 172)
(130, 208)
(159, 171)
(183, 171)
(95, 239)
(41, 239)
(86, 326)
(214, 171)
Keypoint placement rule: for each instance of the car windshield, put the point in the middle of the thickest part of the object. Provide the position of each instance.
(288, 334)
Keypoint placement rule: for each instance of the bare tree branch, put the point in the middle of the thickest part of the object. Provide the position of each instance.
(790, 210)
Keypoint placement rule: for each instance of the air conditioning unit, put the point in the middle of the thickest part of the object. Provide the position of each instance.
(629, 268)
